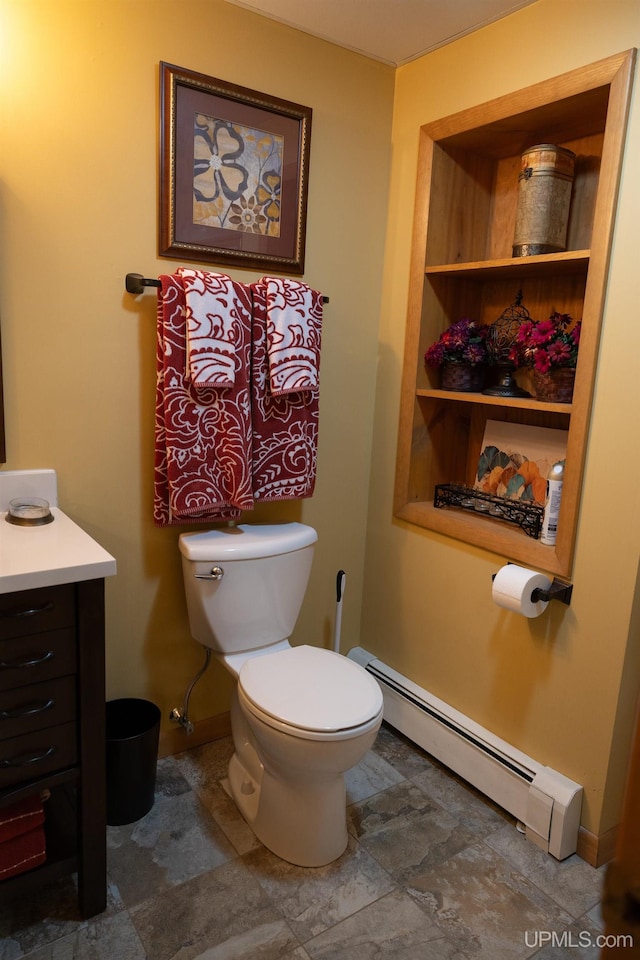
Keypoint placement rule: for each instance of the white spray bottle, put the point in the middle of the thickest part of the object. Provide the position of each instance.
(555, 479)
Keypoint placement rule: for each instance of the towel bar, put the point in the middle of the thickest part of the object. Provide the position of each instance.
(135, 283)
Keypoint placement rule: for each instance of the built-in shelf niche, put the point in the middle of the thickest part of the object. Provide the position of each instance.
(466, 199)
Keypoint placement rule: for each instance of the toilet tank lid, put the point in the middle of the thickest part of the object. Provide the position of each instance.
(247, 541)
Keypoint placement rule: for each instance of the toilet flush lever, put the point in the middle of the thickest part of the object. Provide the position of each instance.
(217, 573)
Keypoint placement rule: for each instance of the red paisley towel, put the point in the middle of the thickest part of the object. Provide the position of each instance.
(285, 428)
(203, 436)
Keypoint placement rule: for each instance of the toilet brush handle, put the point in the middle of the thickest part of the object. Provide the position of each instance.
(339, 595)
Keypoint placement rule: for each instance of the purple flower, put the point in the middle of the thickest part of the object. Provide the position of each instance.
(475, 353)
(462, 342)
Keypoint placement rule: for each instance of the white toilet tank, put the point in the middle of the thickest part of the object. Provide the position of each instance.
(254, 597)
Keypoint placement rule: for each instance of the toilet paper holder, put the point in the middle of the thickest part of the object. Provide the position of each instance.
(557, 590)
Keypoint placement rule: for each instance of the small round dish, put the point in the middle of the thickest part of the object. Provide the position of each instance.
(29, 512)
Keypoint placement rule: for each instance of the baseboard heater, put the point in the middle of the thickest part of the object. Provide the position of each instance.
(545, 801)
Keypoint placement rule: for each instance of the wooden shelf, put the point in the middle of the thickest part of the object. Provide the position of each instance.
(461, 266)
(514, 403)
(482, 532)
(551, 264)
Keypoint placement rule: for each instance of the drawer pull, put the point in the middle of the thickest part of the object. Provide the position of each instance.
(28, 612)
(27, 759)
(19, 664)
(26, 711)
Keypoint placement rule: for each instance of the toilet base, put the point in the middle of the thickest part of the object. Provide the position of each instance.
(291, 791)
(304, 824)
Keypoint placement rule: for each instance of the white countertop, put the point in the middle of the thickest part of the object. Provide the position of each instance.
(49, 554)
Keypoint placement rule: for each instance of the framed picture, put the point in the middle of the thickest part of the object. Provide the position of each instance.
(234, 168)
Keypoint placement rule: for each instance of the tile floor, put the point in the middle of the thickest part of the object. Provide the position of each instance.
(432, 872)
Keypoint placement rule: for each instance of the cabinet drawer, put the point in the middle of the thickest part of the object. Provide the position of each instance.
(34, 611)
(38, 705)
(36, 754)
(25, 660)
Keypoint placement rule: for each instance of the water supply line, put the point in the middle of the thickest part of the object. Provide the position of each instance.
(340, 581)
(181, 716)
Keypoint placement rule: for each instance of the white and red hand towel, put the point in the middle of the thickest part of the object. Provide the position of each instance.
(213, 313)
(294, 329)
(202, 436)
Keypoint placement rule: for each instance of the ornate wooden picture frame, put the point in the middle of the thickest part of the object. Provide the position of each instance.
(234, 167)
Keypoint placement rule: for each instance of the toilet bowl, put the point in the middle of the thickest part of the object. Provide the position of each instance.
(301, 716)
(306, 734)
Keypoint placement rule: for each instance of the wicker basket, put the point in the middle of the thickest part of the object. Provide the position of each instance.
(556, 385)
(465, 377)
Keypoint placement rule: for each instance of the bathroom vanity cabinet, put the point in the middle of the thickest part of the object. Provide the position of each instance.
(52, 688)
(52, 729)
(466, 201)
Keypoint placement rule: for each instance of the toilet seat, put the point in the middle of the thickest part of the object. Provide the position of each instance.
(312, 692)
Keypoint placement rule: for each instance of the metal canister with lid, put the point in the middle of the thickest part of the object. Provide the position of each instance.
(544, 199)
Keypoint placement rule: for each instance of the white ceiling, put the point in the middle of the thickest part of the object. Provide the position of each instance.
(393, 31)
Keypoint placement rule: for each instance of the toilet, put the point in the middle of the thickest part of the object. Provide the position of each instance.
(301, 716)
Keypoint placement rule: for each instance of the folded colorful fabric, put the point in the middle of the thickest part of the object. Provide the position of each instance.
(21, 853)
(213, 307)
(294, 330)
(20, 817)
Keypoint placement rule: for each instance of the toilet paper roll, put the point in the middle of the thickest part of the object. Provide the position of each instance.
(513, 586)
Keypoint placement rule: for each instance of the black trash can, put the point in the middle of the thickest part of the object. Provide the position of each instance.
(133, 731)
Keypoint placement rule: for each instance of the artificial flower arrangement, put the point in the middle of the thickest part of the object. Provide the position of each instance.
(462, 342)
(544, 344)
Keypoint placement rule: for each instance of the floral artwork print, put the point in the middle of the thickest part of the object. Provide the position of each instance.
(237, 177)
(233, 173)
(516, 458)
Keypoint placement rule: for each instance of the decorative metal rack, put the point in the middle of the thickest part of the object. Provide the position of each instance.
(135, 283)
(528, 516)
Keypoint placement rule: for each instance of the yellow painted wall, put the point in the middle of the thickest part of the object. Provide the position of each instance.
(561, 688)
(78, 210)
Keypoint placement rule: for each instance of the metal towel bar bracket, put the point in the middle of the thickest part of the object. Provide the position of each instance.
(135, 284)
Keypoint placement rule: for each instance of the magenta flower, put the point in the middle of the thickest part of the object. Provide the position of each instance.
(559, 353)
(549, 343)
(543, 332)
